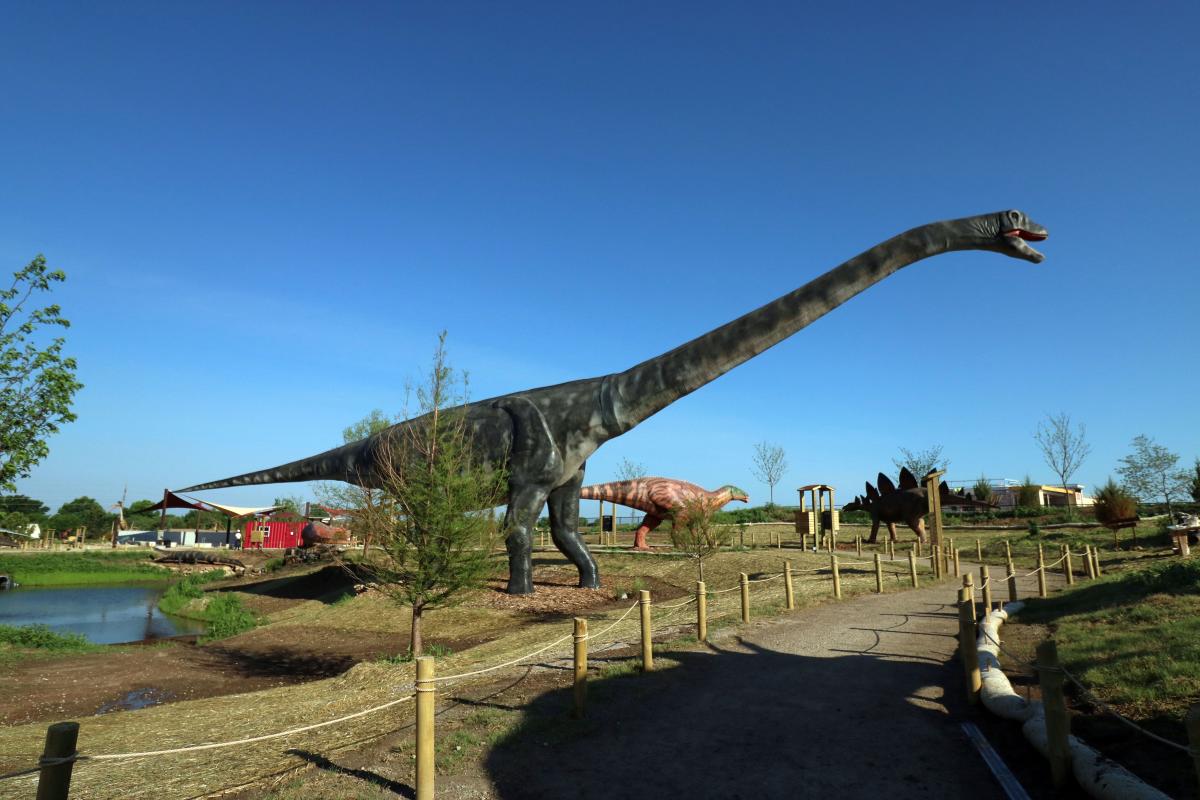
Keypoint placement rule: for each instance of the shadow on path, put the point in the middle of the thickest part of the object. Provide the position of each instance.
(748, 721)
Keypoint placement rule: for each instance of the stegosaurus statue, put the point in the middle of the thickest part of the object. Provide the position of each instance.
(907, 503)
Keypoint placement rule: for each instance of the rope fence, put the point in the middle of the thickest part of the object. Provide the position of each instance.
(53, 765)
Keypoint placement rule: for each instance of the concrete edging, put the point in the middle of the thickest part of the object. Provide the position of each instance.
(1099, 776)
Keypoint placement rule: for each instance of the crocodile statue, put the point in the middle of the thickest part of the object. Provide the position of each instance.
(544, 436)
(907, 503)
(660, 498)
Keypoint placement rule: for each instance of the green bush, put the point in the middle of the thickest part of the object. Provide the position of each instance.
(41, 637)
(1113, 503)
(226, 616)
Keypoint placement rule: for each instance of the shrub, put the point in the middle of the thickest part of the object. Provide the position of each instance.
(1028, 495)
(1113, 503)
(41, 637)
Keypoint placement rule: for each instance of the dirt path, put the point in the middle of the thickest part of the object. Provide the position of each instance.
(861, 698)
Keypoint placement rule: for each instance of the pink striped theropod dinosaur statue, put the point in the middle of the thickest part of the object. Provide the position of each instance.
(660, 498)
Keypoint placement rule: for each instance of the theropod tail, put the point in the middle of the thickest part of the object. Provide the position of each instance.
(617, 491)
(339, 464)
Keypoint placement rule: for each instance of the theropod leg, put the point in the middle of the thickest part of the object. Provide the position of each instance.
(564, 528)
(648, 524)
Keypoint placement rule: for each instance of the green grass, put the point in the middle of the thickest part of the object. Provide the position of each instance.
(1133, 637)
(435, 650)
(42, 638)
(82, 568)
(224, 612)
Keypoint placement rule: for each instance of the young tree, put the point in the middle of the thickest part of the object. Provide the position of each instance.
(1194, 489)
(628, 470)
(982, 490)
(923, 462)
(1114, 505)
(1151, 472)
(431, 519)
(1063, 449)
(769, 465)
(82, 512)
(693, 531)
(1028, 494)
(36, 381)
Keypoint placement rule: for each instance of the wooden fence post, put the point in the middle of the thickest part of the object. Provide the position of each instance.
(789, 593)
(1192, 723)
(878, 574)
(967, 647)
(858, 545)
(985, 585)
(935, 562)
(1041, 573)
(1096, 558)
(581, 666)
(979, 551)
(1007, 550)
(912, 567)
(837, 576)
(1012, 582)
(647, 634)
(968, 583)
(957, 565)
(1058, 724)
(701, 612)
(744, 579)
(426, 768)
(917, 547)
(1089, 566)
(54, 780)
(951, 558)
(1068, 573)
(891, 550)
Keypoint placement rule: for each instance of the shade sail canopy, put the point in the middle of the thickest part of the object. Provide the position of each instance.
(172, 500)
(241, 511)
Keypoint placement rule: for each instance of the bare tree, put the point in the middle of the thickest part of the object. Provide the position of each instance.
(922, 462)
(1063, 448)
(628, 470)
(1151, 472)
(769, 465)
(693, 531)
(431, 518)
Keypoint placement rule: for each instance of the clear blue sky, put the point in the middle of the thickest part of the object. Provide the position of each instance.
(267, 212)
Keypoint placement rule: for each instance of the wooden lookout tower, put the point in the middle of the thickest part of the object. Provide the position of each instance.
(817, 517)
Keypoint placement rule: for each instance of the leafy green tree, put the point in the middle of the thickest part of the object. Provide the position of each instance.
(1194, 489)
(82, 512)
(37, 383)
(1151, 472)
(922, 462)
(431, 519)
(32, 510)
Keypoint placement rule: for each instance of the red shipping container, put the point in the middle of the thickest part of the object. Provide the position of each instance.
(270, 535)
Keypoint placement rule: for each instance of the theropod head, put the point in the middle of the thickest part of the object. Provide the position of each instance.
(735, 493)
(1008, 232)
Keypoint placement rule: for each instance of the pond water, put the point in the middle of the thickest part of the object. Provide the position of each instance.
(104, 614)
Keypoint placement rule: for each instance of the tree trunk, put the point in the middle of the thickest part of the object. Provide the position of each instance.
(415, 645)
